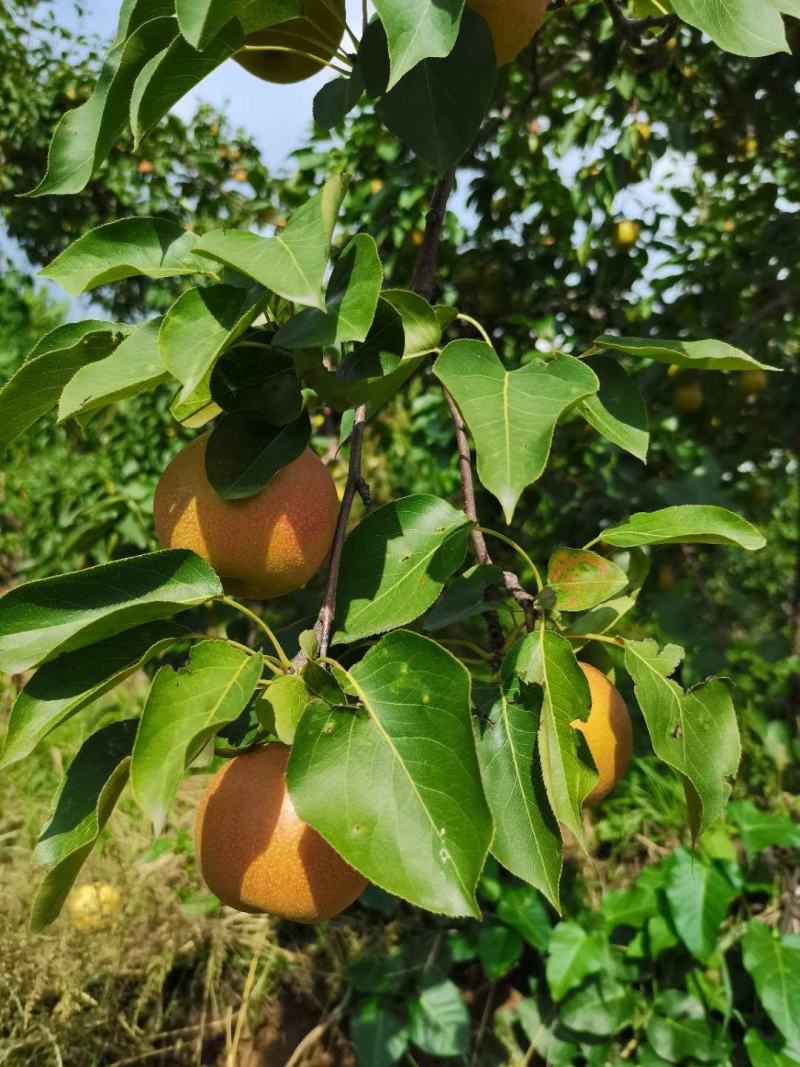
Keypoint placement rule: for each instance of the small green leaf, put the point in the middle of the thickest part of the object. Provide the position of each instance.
(197, 329)
(522, 908)
(363, 777)
(421, 329)
(434, 108)
(128, 248)
(379, 1035)
(293, 263)
(85, 135)
(601, 1008)
(414, 545)
(743, 27)
(695, 733)
(322, 685)
(66, 685)
(245, 452)
(132, 368)
(438, 1018)
(760, 829)
(511, 415)
(766, 1053)
(35, 388)
(417, 30)
(526, 839)
(499, 949)
(698, 355)
(85, 800)
(679, 1030)
(573, 955)
(45, 618)
(582, 579)
(183, 710)
(773, 963)
(547, 660)
(287, 698)
(259, 378)
(351, 299)
(617, 410)
(337, 98)
(699, 896)
(687, 524)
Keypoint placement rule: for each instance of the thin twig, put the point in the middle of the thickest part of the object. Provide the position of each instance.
(632, 30)
(355, 484)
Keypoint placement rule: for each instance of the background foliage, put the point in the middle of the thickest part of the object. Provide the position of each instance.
(700, 149)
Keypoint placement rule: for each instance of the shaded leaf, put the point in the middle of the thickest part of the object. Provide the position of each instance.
(85, 800)
(64, 686)
(774, 965)
(699, 896)
(256, 377)
(438, 1018)
(245, 452)
(573, 955)
(50, 616)
(617, 410)
(337, 98)
(602, 1008)
(379, 1035)
(763, 829)
(464, 597)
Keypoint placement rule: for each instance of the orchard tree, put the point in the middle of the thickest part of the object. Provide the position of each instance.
(387, 747)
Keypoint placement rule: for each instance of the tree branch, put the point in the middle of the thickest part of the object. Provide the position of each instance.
(632, 30)
(422, 281)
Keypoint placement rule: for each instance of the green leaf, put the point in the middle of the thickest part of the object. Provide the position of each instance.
(464, 597)
(351, 299)
(526, 839)
(763, 829)
(601, 1009)
(364, 778)
(134, 13)
(699, 355)
(293, 263)
(695, 733)
(699, 896)
(85, 800)
(132, 368)
(434, 108)
(765, 1053)
(322, 685)
(422, 331)
(256, 377)
(417, 30)
(499, 949)
(45, 618)
(629, 907)
(128, 248)
(201, 20)
(35, 388)
(511, 415)
(547, 660)
(687, 524)
(743, 27)
(438, 1018)
(774, 965)
(337, 98)
(85, 135)
(521, 908)
(395, 564)
(380, 1037)
(197, 329)
(582, 579)
(617, 411)
(172, 73)
(66, 685)
(573, 955)
(679, 1030)
(184, 709)
(245, 452)
(286, 697)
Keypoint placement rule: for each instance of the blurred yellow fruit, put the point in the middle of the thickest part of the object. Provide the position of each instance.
(625, 234)
(240, 175)
(752, 382)
(416, 237)
(608, 732)
(91, 905)
(729, 226)
(666, 578)
(375, 186)
(688, 398)
(644, 130)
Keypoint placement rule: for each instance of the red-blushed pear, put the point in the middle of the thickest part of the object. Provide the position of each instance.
(608, 732)
(512, 22)
(263, 546)
(257, 855)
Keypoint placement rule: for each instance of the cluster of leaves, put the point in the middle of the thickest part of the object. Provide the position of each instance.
(673, 970)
